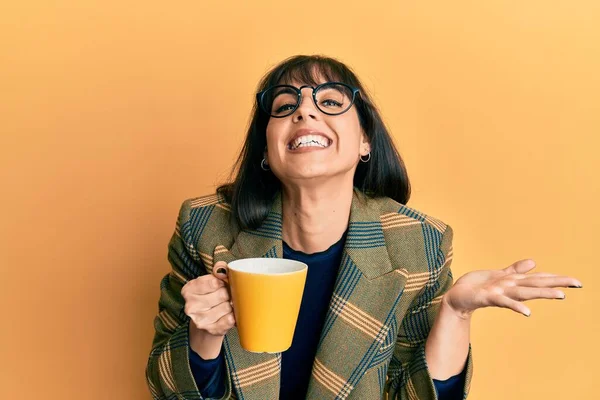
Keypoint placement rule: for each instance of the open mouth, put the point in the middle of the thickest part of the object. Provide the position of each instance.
(309, 141)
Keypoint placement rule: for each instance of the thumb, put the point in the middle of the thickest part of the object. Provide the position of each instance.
(521, 267)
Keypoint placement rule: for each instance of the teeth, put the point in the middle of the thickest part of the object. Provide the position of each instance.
(309, 141)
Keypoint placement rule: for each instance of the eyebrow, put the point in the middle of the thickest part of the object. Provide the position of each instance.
(285, 90)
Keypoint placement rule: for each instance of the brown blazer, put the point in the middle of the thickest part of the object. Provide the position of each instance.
(394, 271)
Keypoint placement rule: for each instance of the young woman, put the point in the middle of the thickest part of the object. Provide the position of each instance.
(319, 180)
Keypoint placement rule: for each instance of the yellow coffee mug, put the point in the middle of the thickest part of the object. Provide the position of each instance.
(266, 294)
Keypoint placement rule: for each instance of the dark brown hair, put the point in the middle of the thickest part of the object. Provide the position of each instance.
(251, 189)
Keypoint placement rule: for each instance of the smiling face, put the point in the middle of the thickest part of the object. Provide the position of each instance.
(311, 144)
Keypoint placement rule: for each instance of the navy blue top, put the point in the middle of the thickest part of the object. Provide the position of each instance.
(298, 360)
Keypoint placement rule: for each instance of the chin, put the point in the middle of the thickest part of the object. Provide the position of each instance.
(313, 176)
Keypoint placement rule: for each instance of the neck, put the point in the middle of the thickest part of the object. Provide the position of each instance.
(314, 218)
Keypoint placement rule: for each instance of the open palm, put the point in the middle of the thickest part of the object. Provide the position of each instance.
(506, 288)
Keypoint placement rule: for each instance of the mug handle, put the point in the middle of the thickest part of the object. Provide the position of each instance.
(221, 271)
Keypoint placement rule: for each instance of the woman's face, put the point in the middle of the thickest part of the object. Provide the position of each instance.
(310, 144)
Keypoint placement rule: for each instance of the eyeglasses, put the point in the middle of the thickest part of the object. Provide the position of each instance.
(331, 98)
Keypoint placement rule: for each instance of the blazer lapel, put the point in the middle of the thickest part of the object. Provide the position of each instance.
(361, 315)
(359, 320)
(254, 375)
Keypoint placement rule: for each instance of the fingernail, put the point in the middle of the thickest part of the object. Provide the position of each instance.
(576, 287)
(527, 314)
(221, 271)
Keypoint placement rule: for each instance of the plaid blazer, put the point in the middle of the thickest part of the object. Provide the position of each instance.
(394, 270)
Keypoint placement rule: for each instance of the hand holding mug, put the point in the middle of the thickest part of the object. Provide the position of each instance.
(209, 306)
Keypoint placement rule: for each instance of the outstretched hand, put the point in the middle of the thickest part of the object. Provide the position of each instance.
(506, 288)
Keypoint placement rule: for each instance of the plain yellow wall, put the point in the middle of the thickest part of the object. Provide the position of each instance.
(111, 114)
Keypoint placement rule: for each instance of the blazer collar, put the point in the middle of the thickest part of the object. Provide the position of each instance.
(365, 242)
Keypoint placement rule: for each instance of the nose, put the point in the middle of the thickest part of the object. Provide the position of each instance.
(306, 109)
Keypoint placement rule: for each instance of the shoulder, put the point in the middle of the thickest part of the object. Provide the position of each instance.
(204, 203)
(393, 215)
(204, 213)
(415, 241)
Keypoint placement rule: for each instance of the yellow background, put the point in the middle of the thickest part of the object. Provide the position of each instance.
(112, 113)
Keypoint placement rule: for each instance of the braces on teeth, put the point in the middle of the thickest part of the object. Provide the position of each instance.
(309, 143)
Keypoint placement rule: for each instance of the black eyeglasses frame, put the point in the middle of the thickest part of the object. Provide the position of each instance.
(260, 95)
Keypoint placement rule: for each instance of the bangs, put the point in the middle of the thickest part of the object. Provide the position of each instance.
(310, 71)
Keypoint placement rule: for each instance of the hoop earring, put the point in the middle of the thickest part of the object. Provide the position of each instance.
(262, 165)
(368, 158)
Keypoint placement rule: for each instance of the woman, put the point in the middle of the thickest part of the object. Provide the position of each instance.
(319, 180)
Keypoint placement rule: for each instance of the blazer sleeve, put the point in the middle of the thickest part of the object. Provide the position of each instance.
(408, 375)
(168, 371)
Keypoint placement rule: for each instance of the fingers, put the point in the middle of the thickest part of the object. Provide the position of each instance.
(548, 281)
(522, 276)
(204, 318)
(530, 293)
(222, 326)
(499, 300)
(202, 285)
(204, 302)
